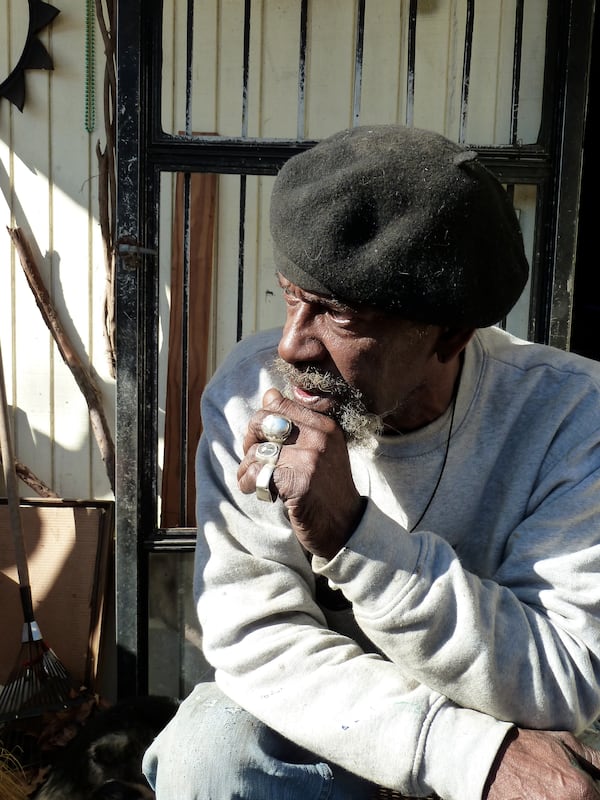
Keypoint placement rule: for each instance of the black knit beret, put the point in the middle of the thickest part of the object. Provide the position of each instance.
(399, 219)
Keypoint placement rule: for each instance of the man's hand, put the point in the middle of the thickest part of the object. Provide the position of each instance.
(541, 765)
(312, 476)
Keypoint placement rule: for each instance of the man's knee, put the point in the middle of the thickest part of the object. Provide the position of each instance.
(214, 750)
(201, 740)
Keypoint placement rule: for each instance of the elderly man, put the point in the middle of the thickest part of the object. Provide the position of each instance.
(398, 560)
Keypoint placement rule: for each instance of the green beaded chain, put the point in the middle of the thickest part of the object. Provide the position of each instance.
(90, 64)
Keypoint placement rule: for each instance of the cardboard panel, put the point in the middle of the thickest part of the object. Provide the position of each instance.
(68, 545)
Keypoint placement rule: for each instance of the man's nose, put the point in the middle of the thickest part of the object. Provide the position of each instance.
(300, 341)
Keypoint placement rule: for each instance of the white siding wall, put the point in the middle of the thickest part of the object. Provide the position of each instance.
(48, 169)
(48, 187)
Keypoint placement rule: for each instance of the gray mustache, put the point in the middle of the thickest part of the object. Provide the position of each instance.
(314, 379)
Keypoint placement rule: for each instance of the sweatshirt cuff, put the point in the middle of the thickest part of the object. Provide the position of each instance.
(459, 749)
(378, 563)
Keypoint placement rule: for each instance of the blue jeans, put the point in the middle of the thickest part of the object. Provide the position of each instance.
(214, 750)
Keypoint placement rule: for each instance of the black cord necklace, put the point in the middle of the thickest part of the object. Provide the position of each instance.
(439, 480)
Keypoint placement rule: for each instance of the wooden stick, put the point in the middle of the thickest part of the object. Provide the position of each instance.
(104, 205)
(82, 376)
(32, 480)
(107, 190)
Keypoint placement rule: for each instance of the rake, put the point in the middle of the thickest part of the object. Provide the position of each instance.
(39, 681)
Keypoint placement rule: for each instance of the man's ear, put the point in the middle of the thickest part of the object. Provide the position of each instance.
(451, 342)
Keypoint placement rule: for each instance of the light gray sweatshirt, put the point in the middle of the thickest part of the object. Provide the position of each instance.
(487, 614)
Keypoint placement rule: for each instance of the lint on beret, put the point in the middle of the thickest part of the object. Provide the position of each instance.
(399, 219)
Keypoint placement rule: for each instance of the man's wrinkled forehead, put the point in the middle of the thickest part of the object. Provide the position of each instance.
(327, 300)
(359, 313)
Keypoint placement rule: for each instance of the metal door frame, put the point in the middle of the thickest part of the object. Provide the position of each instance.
(144, 151)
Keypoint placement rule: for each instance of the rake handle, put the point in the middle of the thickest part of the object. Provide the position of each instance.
(12, 494)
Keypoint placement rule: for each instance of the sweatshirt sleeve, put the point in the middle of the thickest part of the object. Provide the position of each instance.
(275, 656)
(523, 645)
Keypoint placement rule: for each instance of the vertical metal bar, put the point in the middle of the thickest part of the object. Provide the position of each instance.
(411, 55)
(302, 71)
(241, 246)
(543, 252)
(466, 76)
(127, 313)
(516, 76)
(569, 151)
(189, 67)
(358, 59)
(185, 354)
(135, 473)
(147, 224)
(246, 66)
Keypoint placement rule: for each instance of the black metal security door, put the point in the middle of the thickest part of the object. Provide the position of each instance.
(146, 152)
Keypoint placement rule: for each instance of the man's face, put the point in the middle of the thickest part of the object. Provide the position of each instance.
(347, 362)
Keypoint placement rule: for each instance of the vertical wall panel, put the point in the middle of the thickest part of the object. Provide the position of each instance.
(204, 76)
(251, 265)
(330, 63)
(225, 282)
(534, 50)
(6, 255)
(439, 65)
(69, 208)
(274, 69)
(169, 78)
(5, 39)
(385, 63)
(32, 350)
(490, 82)
(229, 65)
(265, 307)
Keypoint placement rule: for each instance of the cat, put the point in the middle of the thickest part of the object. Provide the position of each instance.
(103, 761)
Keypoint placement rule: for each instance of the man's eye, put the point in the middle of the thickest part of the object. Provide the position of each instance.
(341, 316)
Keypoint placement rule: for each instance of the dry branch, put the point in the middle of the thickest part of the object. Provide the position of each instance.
(107, 191)
(82, 376)
(32, 480)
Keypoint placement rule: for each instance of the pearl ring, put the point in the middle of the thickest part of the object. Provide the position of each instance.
(276, 428)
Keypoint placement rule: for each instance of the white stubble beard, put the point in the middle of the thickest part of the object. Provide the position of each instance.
(360, 426)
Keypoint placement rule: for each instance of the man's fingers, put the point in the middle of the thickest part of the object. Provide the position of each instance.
(271, 398)
(303, 419)
(586, 758)
(550, 764)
